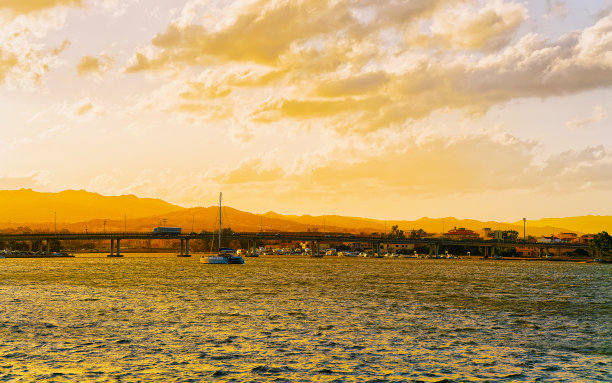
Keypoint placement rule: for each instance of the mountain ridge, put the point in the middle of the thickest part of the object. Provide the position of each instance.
(80, 209)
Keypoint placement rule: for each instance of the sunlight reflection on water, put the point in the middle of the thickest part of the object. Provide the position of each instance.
(297, 320)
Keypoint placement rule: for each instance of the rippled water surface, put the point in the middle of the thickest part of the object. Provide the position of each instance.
(300, 320)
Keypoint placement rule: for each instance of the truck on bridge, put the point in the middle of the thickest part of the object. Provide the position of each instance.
(167, 230)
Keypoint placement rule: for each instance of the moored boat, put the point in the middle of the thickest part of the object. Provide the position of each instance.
(225, 255)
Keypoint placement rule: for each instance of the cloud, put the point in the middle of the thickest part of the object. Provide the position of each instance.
(89, 65)
(77, 111)
(597, 115)
(52, 131)
(556, 8)
(24, 60)
(474, 164)
(263, 31)
(17, 7)
(34, 180)
(407, 169)
(475, 27)
(366, 66)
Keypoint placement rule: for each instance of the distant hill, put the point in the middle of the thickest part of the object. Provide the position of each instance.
(430, 225)
(78, 209)
(27, 206)
(582, 224)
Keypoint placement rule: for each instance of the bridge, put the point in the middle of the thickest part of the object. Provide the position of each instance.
(434, 244)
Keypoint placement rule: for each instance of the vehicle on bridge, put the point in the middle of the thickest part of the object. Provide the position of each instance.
(167, 230)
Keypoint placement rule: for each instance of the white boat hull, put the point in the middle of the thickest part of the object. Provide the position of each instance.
(215, 260)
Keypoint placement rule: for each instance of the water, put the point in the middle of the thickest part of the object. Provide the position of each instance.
(299, 320)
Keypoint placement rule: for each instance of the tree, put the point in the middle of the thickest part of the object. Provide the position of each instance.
(602, 242)
(417, 234)
(396, 233)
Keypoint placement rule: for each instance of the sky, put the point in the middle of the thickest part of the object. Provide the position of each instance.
(386, 109)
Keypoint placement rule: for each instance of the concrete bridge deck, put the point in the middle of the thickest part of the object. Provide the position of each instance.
(315, 238)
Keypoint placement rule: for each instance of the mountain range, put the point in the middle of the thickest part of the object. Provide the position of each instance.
(79, 210)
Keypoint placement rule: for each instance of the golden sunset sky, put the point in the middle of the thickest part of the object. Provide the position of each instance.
(387, 109)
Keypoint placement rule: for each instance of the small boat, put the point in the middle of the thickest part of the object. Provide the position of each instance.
(225, 255)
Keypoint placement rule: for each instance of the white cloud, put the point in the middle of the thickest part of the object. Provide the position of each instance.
(34, 180)
(598, 114)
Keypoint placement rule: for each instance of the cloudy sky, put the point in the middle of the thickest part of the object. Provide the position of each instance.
(392, 109)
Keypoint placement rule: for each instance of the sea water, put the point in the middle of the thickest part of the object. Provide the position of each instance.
(150, 319)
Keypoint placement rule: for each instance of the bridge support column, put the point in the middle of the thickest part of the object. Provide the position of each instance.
(378, 250)
(112, 252)
(492, 251)
(437, 250)
(48, 246)
(187, 247)
(118, 247)
(318, 249)
(431, 250)
(182, 253)
(254, 248)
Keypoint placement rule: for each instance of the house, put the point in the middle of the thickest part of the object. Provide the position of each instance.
(568, 237)
(461, 233)
(524, 251)
(549, 239)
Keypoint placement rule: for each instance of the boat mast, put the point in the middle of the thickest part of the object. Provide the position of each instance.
(220, 220)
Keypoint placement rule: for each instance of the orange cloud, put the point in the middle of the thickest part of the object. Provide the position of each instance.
(28, 6)
(89, 65)
(352, 66)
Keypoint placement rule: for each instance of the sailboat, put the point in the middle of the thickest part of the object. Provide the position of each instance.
(225, 255)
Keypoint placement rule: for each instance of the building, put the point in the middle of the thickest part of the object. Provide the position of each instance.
(549, 239)
(568, 237)
(461, 233)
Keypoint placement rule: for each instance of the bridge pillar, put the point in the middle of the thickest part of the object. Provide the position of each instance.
(182, 247)
(493, 250)
(187, 247)
(437, 249)
(254, 248)
(118, 247)
(378, 250)
(318, 249)
(112, 252)
(48, 246)
(431, 250)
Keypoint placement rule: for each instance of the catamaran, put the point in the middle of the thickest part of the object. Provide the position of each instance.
(225, 255)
